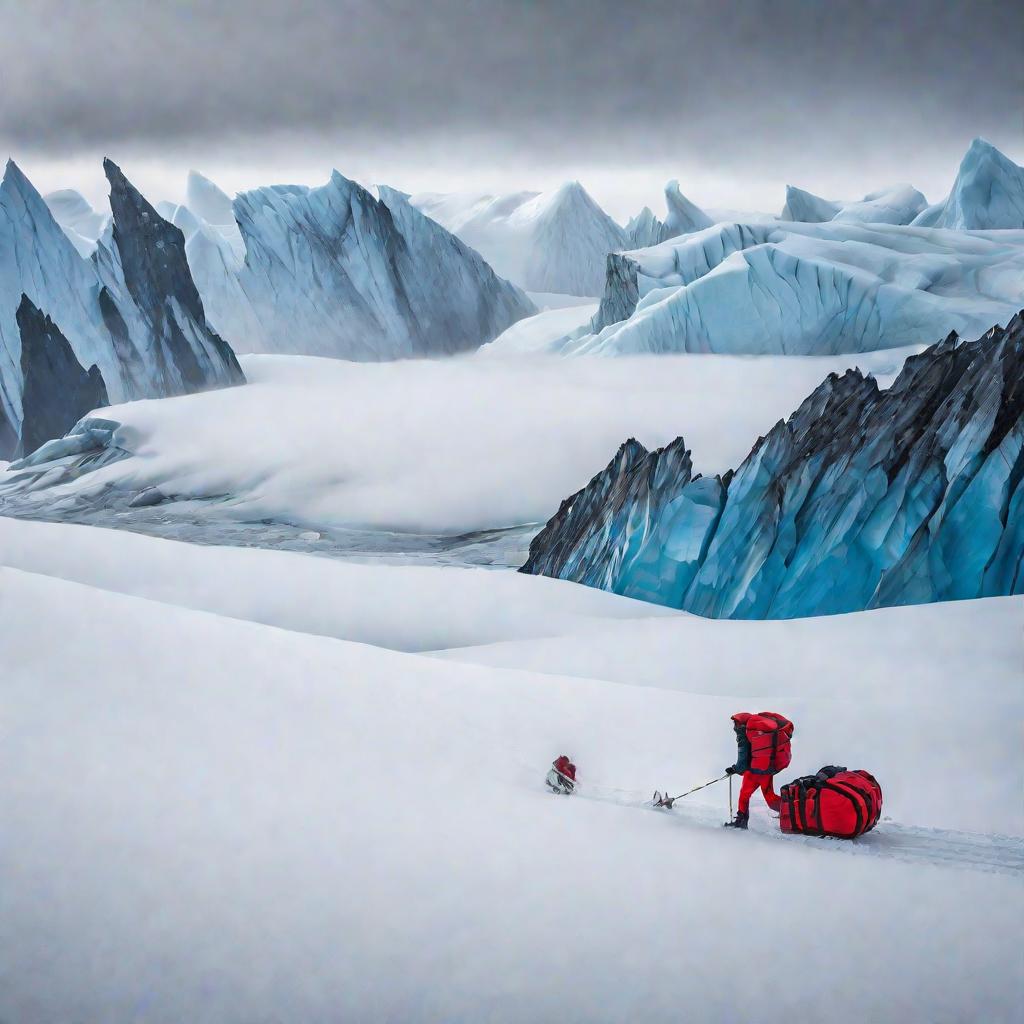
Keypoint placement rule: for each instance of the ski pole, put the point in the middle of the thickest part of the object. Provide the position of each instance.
(730, 796)
(668, 801)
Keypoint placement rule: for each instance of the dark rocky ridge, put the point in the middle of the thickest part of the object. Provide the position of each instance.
(189, 355)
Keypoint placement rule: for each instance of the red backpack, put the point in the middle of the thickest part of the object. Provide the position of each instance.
(769, 736)
(780, 749)
(835, 802)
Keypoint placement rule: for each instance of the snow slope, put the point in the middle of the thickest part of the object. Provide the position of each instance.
(555, 241)
(793, 288)
(878, 666)
(438, 446)
(212, 820)
(403, 607)
(988, 194)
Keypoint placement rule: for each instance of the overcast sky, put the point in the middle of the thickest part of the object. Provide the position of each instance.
(734, 99)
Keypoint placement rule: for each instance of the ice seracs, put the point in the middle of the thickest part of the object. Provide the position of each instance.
(556, 241)
(643, 230)
(861, 499)
(804, 289)
(988, 194)
(683, 217)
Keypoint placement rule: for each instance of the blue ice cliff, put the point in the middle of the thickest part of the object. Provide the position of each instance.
(862, 499)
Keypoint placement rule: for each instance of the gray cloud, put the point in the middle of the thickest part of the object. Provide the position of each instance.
(583, 76)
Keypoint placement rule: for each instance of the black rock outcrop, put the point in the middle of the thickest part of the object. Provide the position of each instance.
(58, 391)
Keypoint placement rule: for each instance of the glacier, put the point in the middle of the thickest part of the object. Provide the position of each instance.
(863, 498)
(131, 310)
(836, 279)
(988, 194)
(803, 289)
(555, 241)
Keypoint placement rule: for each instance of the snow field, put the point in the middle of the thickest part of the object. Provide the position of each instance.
(217, 820)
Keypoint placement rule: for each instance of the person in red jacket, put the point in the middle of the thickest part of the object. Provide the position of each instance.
(763, 742)
(562, 776)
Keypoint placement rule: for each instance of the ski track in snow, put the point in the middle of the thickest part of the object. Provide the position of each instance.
(989, 853)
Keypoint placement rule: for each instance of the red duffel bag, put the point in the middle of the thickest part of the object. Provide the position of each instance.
(835, 802)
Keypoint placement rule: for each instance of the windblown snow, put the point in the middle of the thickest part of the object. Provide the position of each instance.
(473, 443)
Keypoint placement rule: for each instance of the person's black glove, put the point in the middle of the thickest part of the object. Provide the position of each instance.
(731, 770)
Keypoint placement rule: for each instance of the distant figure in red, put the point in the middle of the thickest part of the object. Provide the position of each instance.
(764, 749)
(562, 776)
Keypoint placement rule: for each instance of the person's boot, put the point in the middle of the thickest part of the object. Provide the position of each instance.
(742, 817)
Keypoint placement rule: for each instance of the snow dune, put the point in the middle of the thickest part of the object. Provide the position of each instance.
(209, 819)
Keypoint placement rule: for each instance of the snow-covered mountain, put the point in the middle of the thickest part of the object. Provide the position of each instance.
(556, 241)
(131, 311)
(333, 271)
(804, 289)
(861, 499)
(988, 194)
(898, 204)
